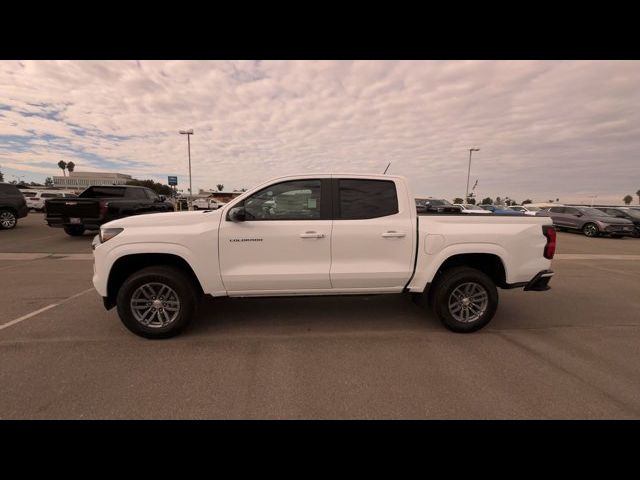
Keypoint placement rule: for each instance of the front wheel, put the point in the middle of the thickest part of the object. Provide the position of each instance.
(8, 219)
(157, 302)
(465, 299)
(590, 230)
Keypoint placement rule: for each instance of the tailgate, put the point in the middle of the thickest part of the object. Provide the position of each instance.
(76, 207)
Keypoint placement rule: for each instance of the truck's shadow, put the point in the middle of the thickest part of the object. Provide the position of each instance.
(327, 314)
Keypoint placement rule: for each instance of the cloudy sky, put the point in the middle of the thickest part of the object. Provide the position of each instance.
(546, 129)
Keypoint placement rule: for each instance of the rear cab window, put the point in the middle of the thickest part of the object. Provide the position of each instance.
(360, 199)
(103, 192)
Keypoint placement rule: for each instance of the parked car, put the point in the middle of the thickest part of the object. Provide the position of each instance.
(499, 210)
(98, 205)
(435, 205)
(528, 210)
(625, 212)
(469, 208)
(12, 206)
(205, 204)
(37, 200)
(591, 221)
(327, 235)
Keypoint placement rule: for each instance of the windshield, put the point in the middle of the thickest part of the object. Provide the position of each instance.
(594, 212)
(533, 209)
(468, 206)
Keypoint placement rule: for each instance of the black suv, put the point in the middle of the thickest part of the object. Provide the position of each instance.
(12, 206)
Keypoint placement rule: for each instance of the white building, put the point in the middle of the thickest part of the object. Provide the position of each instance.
(86, 179)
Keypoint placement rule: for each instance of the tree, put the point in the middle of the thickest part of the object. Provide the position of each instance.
(472, 201)
(498, 201)
(48, 182)
(220, 187)
(62, 164)
(157, 187)
(1, 176)
(550, 201)
(487, 201)
(457, 200)
(71, 166)
(638, 193)
(526, 201)
(627, 199)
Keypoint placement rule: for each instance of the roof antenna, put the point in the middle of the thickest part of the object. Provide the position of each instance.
(385, 170)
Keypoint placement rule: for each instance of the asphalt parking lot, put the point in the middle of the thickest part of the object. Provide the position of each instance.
(571, 352)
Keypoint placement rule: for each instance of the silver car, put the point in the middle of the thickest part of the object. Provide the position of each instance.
(591, 221)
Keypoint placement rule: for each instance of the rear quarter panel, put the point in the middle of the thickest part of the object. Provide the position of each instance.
(517, 241)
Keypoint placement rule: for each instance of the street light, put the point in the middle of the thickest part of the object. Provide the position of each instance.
(188, 133)
(466, 196)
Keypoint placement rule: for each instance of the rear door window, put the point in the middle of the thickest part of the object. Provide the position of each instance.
(363, 199)
(6, 189)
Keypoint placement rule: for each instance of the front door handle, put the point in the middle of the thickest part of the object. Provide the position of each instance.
(311, 235)
(393, 234)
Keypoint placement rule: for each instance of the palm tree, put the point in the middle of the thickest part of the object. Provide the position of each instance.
(71, 166)
(62, 165)
(221, 186)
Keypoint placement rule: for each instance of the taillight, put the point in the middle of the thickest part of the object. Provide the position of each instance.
(550, 247)
(104, 206)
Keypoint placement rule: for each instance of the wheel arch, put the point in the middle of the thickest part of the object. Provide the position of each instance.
(126, 265)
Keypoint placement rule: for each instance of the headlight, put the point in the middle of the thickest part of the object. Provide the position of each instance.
(109, 233)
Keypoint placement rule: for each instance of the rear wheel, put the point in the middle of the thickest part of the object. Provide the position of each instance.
(465, 299)
(8, 219)
(590, 230)
(157, 302)
(74, 230)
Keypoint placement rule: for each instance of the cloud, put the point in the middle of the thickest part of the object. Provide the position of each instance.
(546, 129)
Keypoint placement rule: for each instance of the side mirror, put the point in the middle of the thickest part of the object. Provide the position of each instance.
(579, 214)
(237, 214)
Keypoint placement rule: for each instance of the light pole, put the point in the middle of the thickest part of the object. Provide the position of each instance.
(188, 133)
(466, 195)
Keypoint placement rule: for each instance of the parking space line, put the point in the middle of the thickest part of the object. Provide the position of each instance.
(44, 309)
(594, 256)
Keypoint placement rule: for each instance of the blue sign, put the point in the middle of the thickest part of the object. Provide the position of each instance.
(173, 181)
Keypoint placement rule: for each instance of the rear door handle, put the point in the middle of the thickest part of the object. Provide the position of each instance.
(393, 234)
(311, 235)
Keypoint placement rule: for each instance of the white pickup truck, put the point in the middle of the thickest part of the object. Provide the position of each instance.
(329, 234)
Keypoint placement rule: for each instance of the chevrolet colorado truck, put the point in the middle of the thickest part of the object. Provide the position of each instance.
(101, 204)
(330, 234)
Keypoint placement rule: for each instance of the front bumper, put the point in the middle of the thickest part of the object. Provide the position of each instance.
(540, 282)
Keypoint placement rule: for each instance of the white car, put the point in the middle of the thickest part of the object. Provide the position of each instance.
(526, 209)
(469, 208)
(205, 204)
(323, 234)
(36, 198)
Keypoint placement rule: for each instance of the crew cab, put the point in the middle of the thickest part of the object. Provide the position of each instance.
(323, 234)
(98, 205)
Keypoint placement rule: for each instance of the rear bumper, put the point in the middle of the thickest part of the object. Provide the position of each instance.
(88, 223)
(540, 282)
(23, 211)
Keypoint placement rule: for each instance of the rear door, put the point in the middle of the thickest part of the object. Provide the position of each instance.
(372, 238)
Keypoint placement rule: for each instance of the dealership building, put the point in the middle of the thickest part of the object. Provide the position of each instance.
(85, 179)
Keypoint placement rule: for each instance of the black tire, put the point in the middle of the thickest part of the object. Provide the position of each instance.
(441, 294)
(590, 230)
(74, 230)
(8, 219)
(182, 285)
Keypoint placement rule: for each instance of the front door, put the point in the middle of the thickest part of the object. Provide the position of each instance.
(284, 244)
